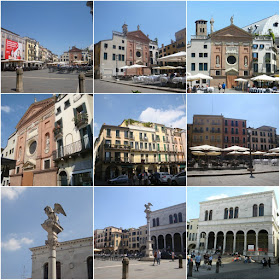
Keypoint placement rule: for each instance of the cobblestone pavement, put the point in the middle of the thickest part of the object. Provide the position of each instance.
(41, 81)
(107, 87)
(238, 270)
(140, 270)
(265, 179)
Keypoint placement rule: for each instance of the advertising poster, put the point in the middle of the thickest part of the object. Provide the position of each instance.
(251, 247)
(13, 50)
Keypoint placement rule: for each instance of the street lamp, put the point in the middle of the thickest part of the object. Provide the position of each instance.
(251, 162)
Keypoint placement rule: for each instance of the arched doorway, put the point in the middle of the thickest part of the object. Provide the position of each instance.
(160, 242)
(251, 240)
(211, 240)
(63, 180)
(220, 241)
(173, 169)
(163, 168)
(239, 242)
(112, 171)
(229, 242)
(177, 242)
(140, 169)
(154, 242)
(152, 169)
(202, 240)
(184, 241)
(263, 241)
(168, 242)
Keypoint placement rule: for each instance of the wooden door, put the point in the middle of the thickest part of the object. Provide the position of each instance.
(230, 81)
(27, 179)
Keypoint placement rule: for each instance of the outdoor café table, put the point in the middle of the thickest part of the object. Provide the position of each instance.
(265, 161)
(164, 79)
(177, 80)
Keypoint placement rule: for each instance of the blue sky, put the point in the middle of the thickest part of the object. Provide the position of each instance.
(257, 109)
(22, 213)
(199, 194)
(245, 13)
(168, 109)
(159, 19)
(124, 207)
(13, 107)
(57, 25)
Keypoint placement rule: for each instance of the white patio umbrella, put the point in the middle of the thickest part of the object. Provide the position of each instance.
(124, 67)
(258, 153)
(200, 76)
(263, 78)
(240, 80)
(206, 148)
(271, 154)
(176, 57)
(235, 153)
(276, 150)
(167, 67)
(235, 148)
(136, 66)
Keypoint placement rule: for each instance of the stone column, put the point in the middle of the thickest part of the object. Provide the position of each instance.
(149, 250)
(234, 242)
(245, 243)
(224, 243)
(53, 229)
(215, 242)
(206, 242)
(182, 243)
(257, 242)
(271, 246)
(172, 239)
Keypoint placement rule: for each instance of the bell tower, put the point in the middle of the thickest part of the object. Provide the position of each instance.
(201, 27)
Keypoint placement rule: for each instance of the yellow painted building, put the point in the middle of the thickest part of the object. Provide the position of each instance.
(135, 147)
(31, 48)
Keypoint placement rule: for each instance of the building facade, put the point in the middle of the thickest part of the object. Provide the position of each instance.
(192, 229)
(168, 228)
(135, 147)
(246, 224)
(74, 260)
(35, 146)
(235, 132)
(74, 140)
(9, 153)
(263, 138)
(75, 54)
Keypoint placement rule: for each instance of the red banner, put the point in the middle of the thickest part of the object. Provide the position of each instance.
(13, 50)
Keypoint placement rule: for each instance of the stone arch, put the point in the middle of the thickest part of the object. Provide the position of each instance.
(229, 242)
(220, 241)
(263, 240)
(211, 240)
(239, 242)
(163, 168)
(160, 242)
(154, 242)
(177, 242)
(68, 139)
(168, 242)
(140, 169)
(251, 239)
(63, 177)
(173, 169)
(152, 169)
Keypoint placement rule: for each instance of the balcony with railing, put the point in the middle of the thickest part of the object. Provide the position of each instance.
(83, 145)
(116, 146)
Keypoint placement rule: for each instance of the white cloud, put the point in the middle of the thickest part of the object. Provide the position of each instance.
(12, 193)
(219, 196)
(170, 117)
(14, 244)
(6, 109)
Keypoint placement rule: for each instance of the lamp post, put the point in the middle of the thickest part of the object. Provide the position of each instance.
(251, 162)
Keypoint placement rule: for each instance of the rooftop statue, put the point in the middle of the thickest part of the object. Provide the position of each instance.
(51, 213)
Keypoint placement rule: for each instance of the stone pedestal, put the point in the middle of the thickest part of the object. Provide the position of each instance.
(53, 229)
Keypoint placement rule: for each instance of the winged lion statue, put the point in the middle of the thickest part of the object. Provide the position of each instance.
(51, 213)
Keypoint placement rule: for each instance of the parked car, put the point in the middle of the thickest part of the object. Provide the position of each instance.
(122, 179)
(163, 177)
(179, 179)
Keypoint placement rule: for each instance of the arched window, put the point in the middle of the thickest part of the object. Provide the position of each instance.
(154, 222)
(170, 219)
(236, 212)
(175, 218)
(217, 59)
(210, 215)
(231, 213)
(206, 216)
(157, 222)
(245, 60)
(47, 143)
(255, 210)
(19, 153)
(261, 210)
(180, 217)
(226, 213)
(90, 267)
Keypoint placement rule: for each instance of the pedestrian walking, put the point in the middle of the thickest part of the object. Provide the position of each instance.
(158, 256)
(210, 260)
(269, 262)
(172, 255)
(219, 87)
(197, 261)
(224, 87)
(264, 262)
(134, 178)
(155, 257)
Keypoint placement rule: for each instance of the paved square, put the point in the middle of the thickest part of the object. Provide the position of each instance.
(140, 270)
(41, 81)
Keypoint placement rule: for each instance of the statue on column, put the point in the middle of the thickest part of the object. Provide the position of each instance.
(51, 213)
(231, 20)
(149, 249)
